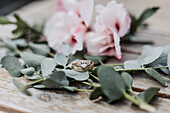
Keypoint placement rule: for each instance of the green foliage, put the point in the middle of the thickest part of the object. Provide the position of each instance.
(127, 79)
(47, 66)
(153, 73)
(136, 22)
(61, 59)
(12, 65)
(148, 94)
(32, 60)
(56, 80)
(41, 49)
(112, 84)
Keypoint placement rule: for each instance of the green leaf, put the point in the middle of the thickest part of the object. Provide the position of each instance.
(127, 79)
(4, 20)
(56, 80)
(39, 86)
(21, 87)
(131, 64)
(28, 71)
(168, 62)
(112, 84)
(12, 65)
(149, 55)
(61, 59)
(34, 76)
(47, 66)
(153, 73)
(20, 22)
(96, 93)
(66, 49)
(10, 44)
(148, 94)
(69, 88)
(41, 49)
(95, 59)
(32, 60)
(20, 42)
(79, 76)
(165, 70)
(146, 14)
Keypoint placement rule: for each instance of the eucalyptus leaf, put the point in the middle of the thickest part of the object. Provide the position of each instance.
(10, 44)
(28, 71)
(153, 73)
(61, 59)
(127, 79)
(79, 76)
(95, 59)
(148, 94)
(56, 80)
(96, 93)
(39, 86)
(165, 70)
(131, 64)
(168, 62)
(146, 14)
(66, 49)
(21, 87)
(41, 49)
(47, 66)
(20, 42)
(32, 60)
(69, 88)
(149, 55)
(34, 76)
(20, 22)
(4, 20)
(112, 84)
(12, 65)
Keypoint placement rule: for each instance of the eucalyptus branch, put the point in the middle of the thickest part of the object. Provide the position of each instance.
(141, 69)
(94, 76)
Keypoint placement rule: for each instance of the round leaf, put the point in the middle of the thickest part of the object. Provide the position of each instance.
(47, 66)
(41, 49)
(61, 59)
(149, 55)
(56, 80)
(112, 84)
(153, 73)
(148, 94)
(12, 65)
(32, 60)
(127, 79)
(131, 64)
(66, 49)
(28, 71)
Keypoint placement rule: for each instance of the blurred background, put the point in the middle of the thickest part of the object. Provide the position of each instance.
(7, 6)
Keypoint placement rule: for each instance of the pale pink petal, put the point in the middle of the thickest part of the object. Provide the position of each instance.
(116, 17)
(66, 5)
(118, 53)
(85, 8)
(99, 8)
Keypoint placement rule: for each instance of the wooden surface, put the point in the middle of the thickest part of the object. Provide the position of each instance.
(12, 101)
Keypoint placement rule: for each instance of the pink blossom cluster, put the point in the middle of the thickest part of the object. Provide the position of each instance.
(71, 23)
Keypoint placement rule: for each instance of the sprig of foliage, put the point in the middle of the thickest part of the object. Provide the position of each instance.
(23, 29)
(55, 72)
(137, 22)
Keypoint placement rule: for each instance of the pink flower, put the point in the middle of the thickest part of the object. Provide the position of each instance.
(112, 23)
(69, 24)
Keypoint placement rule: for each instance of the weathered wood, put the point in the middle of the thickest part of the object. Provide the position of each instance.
(42, 101)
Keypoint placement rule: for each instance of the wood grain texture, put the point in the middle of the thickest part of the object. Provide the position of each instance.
(54, 101)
